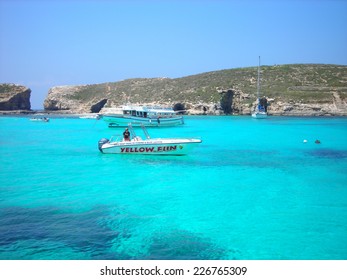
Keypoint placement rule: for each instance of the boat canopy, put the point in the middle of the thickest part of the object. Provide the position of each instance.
(146, 111)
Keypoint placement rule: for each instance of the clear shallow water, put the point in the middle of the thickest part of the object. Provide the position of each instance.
(251, 190)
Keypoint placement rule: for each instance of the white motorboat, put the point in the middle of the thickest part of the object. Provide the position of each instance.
(146, 115)
(260, 111)
(147, 146)
(43, 119)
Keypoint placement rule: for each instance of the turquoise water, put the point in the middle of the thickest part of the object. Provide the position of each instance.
(251, 190)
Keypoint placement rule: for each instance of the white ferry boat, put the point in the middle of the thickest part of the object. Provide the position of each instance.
(148, 146)
(146, 115)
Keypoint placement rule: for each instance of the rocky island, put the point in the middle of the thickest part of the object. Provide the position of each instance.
(294, 89)
(14, 98)
(298, 89)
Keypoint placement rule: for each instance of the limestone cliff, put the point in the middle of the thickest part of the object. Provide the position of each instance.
(14, 97)
(298, 89)
(62, 98)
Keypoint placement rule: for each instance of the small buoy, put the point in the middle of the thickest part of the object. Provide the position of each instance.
(317, 141)
(305, 141)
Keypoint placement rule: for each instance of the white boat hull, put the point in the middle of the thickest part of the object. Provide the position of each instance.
(39, 120)
(150, 147)
(123, 121)
(259, 115)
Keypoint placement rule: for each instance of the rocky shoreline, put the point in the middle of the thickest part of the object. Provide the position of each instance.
(286, 109)
(298, 112)
(290, 90)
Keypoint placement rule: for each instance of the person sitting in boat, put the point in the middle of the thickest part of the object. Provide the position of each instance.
(126, 135)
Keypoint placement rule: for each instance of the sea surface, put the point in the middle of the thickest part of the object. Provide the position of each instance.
(253, 190)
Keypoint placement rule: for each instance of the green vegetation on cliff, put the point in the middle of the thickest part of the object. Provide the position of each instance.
(306, 82)
(233, 91)
(6, 88)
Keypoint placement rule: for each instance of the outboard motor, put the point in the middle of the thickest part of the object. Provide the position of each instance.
(101, 142)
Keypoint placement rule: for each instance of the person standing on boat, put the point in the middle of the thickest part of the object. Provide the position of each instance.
(126, 135)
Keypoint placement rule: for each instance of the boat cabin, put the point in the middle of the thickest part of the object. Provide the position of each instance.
(149, 112)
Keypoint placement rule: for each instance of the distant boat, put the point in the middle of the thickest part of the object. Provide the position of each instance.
(260, 109)
(89, 116)
(146, 115)
(149, 146)
(43, 119)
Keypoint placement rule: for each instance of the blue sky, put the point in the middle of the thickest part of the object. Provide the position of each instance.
(60, 42)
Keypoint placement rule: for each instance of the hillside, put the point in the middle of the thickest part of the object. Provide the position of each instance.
(298, 89)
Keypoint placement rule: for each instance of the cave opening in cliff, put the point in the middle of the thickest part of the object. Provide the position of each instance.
(226, 101)
(263, 103)
(179, 108)
(96, 108)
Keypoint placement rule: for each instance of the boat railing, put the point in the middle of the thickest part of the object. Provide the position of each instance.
(144, 129)
(116, 138)
(157, 108)
(119, 137)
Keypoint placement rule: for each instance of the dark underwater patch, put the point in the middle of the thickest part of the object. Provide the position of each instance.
(82, 231)
(328, 153)
(88, 232)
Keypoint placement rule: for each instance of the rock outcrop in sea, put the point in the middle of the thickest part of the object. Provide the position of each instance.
(14, 97)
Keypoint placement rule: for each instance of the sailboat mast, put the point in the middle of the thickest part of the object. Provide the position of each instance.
(258, 83)
(260, 111)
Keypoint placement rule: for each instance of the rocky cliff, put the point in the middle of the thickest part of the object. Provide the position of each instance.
(14, 97)
(299, 89)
